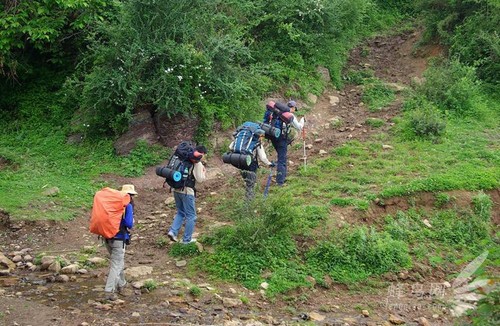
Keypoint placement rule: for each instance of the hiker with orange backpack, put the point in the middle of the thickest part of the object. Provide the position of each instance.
(112, 217)
(282, 116)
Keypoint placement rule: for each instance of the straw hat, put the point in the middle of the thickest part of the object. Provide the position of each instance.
(129, 189)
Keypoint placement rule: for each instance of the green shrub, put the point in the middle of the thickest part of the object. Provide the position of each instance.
(195, 291)
(355, 254)
(374, 122)
(441, 199)
(426, 121)
(451, 86)
(482, 205)
(376, 96)
(470, 29)
(150, 285)
(184, 250)
(487, 312)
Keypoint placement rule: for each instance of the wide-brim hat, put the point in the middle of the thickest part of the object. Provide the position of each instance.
(129, 189)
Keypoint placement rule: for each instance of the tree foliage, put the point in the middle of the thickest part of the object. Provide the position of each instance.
(214, 59)
(470, 29)
(46, 27)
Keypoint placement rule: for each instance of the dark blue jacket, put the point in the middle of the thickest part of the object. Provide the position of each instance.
(127, 223)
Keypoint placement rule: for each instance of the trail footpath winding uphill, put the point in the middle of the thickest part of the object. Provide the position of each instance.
(31, 296)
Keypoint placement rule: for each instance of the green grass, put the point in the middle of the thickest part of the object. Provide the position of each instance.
(467, 158)
(40, 160)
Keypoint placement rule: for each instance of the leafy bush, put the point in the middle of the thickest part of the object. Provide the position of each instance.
(487, 312)
(260, 239)
(209, 60)
(451, 86)
(470, 29)
(482, 205)
(47, 29)
(425, 120)
(358, 253)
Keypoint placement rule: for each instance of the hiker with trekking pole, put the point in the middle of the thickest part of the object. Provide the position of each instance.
(246, 151)
(281, 116)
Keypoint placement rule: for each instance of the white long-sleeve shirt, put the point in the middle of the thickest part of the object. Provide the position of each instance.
(297, 124)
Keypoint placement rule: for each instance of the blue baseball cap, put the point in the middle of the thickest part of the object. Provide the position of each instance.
(292, 104)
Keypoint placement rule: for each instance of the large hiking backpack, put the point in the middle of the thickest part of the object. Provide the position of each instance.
(246, 139)
(279, 116)
(107, 212)
(181, 162)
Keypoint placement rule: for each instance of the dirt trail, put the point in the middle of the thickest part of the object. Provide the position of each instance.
(33, 300)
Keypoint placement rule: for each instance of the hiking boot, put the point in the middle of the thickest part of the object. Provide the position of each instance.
(110, 296)
(125, 292)
(193, 240)
(172, 236)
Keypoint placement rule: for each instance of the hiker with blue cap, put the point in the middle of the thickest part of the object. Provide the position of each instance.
(282, 116)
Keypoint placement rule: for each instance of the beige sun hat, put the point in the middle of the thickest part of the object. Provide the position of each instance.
(129, 189)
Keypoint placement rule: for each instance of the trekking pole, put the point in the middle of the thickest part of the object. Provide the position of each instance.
(304, 141)
(268, 183)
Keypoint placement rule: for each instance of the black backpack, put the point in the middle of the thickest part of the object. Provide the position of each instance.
(279, 117)
(181, 162)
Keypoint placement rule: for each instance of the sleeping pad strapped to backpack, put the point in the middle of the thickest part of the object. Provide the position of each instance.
(178, 171)
(107, 212)
(246, 139)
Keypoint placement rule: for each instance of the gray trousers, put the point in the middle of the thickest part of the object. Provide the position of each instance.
(250, 178)
(116, 278)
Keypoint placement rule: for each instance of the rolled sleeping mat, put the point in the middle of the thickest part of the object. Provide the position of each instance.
(270, 130)
(240, 161)
(168, 173)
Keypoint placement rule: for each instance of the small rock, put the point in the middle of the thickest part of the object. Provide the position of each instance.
(365, 313)
(422, 321)
(17, 259)
(136, 314)
(427, 223)
(51, 192)
(55, 267)
(180, 263)
(231, 303)
(62, 278)
(322, 152)
(315, 316)
(387, 147)
(334, 100)
(396, 320)
(70, 269)
(264, 285)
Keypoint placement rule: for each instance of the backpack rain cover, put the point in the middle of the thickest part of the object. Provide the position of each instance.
(107, 212)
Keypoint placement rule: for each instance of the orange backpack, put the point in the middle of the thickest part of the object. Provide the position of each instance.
(107, 212)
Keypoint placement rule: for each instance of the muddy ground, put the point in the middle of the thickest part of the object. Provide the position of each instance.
(38, 298)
